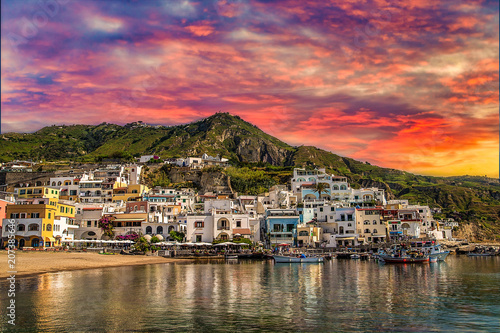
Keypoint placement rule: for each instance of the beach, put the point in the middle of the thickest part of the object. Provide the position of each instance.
(30, 263)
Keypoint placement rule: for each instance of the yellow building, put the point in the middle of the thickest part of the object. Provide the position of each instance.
(370, 225)
(122, 192)
(34, 218)
(36, 192)
(309, 235)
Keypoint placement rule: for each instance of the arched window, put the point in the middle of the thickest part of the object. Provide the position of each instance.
(159, 230)
(343, 187)
(49, 227)
(171, 228)
(59, 183)
(335, 187)
(21, 227)
(33, 227)
(367, 231)
(53, 183)
(134, 191)
(301, 180)
(149, 230)
(312, 179)
(374, 222)
(375, 231)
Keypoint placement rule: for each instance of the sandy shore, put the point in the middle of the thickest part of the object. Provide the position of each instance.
(30, 263)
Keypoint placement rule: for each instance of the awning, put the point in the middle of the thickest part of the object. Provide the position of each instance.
(361, 239)
(242, 231)
(345, 238)
(378, 236)
(49, 239)
(129, 220)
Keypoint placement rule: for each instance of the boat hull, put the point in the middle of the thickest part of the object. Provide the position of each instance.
(403, 260)
(480, 255)
(440, 256)
(286, 259)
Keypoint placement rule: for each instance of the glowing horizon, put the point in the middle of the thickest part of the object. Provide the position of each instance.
(403, 85)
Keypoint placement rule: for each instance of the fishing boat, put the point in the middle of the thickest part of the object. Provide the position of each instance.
(405, 259)
(355, 256)
(484, 254)
(290, 259)
(431, 248)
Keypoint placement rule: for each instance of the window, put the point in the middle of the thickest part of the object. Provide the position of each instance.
(349, 224)
(198, 238)
(46, 191)
(22, 215)
(374, 222)
(34, 227)
(332, 209)
(22, 192)
(321, 209)
(21, 227)
(199, 224)
(375, 231)
(149, 230)
(14, 215)
(367, 231)
(366, 222)
(35, 215)
(89, 224)
(238, 224)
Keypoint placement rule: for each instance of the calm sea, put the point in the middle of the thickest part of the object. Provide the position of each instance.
(459, 295)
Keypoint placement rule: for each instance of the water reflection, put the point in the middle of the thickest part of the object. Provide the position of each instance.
(461, 294)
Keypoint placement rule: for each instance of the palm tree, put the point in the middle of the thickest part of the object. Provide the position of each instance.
(321, 188)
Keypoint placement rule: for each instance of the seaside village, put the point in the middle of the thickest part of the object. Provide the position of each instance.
(67, 210)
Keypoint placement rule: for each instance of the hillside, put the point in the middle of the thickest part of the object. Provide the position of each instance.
(260, 161)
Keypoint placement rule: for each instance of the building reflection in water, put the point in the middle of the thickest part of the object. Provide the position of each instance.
(338, 295)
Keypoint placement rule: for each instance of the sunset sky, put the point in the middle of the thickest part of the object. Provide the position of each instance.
(411, 85)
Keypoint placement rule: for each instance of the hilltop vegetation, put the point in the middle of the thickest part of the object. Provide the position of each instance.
(259, 161)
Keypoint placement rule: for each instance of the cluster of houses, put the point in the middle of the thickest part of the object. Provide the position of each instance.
(300, 214)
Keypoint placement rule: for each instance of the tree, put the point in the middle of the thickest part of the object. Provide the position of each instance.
(321, 188)
(176, 235)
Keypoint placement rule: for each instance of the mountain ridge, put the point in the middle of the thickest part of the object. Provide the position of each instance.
(246, 146)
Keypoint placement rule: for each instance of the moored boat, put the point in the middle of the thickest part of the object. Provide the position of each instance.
(289, 259)
(487, 254)
(403, 259)
(430, 248)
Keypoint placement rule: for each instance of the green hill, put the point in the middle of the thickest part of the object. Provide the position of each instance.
(260, 160)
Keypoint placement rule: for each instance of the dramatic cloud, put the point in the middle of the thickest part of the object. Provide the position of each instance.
(405, 84)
